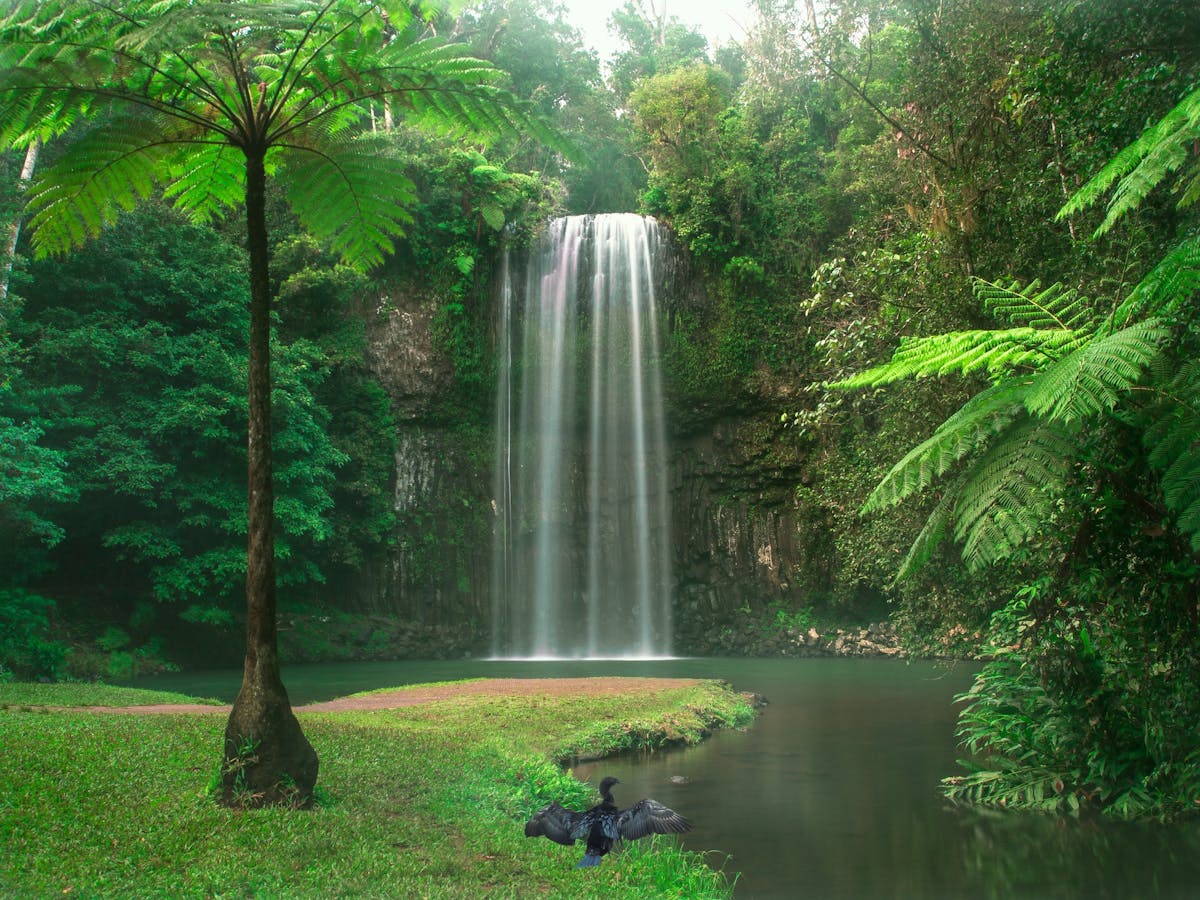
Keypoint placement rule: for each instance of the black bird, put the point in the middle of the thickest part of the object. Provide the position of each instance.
(604, 823)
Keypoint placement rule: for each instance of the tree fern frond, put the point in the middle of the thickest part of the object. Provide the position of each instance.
(107, 170)
(996, 352)
(1139, 168)
(31, 108)
(1170, 285)
(986, 414)
(1172, 440)
(1189, 187)
(1006, 493)
(932, 533)
(348, 196)
(1091, 378)
(206, 179)
(1052, 307)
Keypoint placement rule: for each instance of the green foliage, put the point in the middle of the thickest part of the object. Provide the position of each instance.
(35, 485)
(545, 62)
(1161, 149)
(170, 78)
(1172, 441)
(1165, 290)
(28, 638)
(655, 44)
(134, 359)
(34, 478)
(1088, 720)
(200, 100)
(1018, 435)
(1092, 696)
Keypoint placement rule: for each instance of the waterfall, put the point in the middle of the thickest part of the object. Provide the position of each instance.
(581, 554)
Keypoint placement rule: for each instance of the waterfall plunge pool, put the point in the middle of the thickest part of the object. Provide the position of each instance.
(833, 792)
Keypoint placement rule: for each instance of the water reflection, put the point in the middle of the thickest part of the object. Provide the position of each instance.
(833, 792)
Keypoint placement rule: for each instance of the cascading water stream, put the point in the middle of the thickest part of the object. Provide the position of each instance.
(582, 542)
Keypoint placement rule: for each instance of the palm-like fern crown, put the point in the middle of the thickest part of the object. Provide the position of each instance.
(183, 92)
(1055, 365)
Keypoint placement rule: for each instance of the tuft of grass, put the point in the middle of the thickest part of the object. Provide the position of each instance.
(423, 801)
(81, 693)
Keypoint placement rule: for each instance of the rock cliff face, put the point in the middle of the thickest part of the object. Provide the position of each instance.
(741, 537)
(736, 528)
(435, 569)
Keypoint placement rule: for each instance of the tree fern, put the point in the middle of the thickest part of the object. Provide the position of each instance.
(1172, 423)
(206, 101)
(194, 84)
(1057, 367)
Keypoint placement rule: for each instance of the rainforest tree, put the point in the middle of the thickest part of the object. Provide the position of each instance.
(206, 102)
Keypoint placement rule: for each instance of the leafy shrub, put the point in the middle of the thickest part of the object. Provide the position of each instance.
(1097, 707)
(27, 649)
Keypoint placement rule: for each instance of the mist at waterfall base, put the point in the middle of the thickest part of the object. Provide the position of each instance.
(582, 544)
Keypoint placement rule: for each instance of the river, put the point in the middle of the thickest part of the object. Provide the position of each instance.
(833, 792)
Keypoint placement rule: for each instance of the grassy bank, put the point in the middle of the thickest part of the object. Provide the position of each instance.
(425, 801)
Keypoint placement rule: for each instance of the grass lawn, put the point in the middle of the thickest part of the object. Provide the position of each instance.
(424, 801)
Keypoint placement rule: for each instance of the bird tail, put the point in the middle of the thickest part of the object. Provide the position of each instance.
(589, 859)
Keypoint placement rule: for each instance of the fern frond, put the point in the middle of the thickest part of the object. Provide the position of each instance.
(995, 352)
(935, 530)
(1139, 168)
(1006, 493)
(982, 417)
(1172, 440)
(347, 195)
(31, 109)
(1091, 379)
(206, 179)
(1033, 306)
(1170, 285)
(169, 26)
(107, 170)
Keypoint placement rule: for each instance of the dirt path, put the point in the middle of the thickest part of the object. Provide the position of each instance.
(488, 687)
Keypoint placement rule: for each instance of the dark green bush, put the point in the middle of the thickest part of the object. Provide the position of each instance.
(28, 649)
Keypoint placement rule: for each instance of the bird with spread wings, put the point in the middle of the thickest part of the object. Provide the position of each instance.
(604, 823)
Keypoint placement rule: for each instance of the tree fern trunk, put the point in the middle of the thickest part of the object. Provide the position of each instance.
(268, 760)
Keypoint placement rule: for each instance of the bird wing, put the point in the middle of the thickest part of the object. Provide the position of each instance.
(650, 817)
(558, 823)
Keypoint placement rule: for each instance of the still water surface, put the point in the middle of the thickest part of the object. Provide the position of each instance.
(832, 793)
